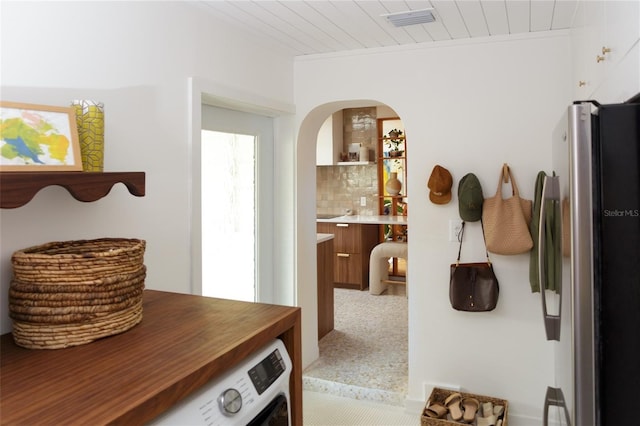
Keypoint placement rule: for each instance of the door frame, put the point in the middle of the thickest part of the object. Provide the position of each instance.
(201, 91)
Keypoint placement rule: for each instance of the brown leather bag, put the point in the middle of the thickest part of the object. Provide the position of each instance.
(473, 287)
(506, 221)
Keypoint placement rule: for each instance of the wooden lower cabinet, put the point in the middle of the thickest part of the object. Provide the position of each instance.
(325, 288)
(352, 246)
(348, 270)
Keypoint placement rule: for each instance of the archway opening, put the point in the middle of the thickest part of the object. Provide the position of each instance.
(359, 355)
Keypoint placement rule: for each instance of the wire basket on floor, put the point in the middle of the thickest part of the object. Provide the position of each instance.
(73, 292)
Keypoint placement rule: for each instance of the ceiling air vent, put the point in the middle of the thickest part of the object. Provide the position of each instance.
(410, 17)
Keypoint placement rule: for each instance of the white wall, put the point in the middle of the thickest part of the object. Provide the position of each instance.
(469, 107)
(137, 58)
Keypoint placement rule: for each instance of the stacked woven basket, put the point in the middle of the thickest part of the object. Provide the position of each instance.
(74, 292)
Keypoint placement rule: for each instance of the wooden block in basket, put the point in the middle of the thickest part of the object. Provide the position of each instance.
(439, 395)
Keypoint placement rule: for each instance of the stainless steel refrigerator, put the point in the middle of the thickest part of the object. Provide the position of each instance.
(589, 242)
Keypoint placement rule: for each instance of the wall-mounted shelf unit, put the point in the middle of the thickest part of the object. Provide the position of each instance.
(392, 158)
(18, 188)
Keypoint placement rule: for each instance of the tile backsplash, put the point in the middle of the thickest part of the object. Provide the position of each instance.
(339, 188)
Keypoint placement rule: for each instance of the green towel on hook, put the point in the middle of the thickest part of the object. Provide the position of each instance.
(552, 276)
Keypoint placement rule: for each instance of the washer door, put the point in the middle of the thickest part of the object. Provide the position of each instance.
(274, 414)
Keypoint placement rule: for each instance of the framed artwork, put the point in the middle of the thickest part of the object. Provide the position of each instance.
(38, 138)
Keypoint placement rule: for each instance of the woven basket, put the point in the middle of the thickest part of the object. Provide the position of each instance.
(440, 395)
(74, 292)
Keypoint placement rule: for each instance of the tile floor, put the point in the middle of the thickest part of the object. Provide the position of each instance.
(364, 359)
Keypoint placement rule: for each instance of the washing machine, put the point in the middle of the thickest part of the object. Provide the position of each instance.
(255, 392)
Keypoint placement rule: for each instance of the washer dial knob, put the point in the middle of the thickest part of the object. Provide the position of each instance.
(230, 401)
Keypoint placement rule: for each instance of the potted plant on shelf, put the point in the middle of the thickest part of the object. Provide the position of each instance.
(394, 140)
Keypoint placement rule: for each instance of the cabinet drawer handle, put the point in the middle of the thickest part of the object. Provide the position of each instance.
(343, 254)
(342, 225)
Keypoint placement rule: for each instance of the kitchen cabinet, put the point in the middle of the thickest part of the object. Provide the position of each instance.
(183, 342)
(329, 143)
(604, 34)
(325, 286)
(352, 245)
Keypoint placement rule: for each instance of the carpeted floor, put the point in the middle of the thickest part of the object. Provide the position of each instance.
(365, 356)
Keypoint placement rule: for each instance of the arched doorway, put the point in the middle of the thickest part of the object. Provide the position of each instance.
(355, 358)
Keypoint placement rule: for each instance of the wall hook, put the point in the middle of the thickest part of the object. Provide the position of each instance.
(599, 58)
(505, 173)
(605, 50)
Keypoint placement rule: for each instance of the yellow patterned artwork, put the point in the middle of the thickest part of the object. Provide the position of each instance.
(90, 121)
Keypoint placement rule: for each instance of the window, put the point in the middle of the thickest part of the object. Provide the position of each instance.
(228, 215)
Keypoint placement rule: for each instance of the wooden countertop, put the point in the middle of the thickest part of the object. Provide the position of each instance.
(182, 343)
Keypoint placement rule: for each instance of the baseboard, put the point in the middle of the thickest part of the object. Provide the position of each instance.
(414, 407)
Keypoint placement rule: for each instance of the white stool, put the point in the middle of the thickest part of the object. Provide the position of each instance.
(379, 264)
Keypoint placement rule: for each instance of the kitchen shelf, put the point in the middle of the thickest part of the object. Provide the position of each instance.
(354, 163)
(388, 203)
(18, 188)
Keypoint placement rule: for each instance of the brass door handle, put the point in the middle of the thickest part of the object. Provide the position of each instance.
(343, 254)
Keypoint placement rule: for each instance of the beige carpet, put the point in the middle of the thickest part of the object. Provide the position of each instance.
(365, 356)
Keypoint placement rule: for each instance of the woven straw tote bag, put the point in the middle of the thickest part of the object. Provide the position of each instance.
(506, 221)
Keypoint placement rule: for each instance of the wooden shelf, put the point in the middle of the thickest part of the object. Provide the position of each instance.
(354, 163)
(388, 201)
(392, 158)
(18, 188)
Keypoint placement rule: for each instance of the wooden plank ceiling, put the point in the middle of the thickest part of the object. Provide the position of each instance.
(307, 27)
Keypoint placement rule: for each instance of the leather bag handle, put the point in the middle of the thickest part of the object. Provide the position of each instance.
(505, 177)
(460, 238)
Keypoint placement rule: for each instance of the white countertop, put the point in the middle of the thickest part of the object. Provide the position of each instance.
(324, 237)
(375, 220)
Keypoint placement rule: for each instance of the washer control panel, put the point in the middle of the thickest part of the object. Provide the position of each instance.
(267, 371)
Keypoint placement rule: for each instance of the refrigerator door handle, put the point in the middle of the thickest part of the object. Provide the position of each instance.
(555, 397)
(550, 199)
